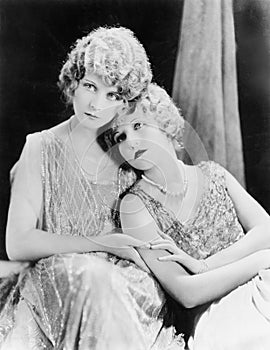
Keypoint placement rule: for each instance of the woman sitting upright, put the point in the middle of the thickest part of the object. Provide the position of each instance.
(63, 208)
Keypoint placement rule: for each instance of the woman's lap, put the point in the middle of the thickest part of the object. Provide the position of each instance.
(240, 320)
(89, 300)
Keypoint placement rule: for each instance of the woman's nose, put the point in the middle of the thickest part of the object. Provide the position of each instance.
(97, 103)
(133, 143)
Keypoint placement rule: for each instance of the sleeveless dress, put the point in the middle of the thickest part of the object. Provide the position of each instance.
(241, 319)
(79, 301)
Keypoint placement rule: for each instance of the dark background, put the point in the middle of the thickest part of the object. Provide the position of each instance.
(36, 35)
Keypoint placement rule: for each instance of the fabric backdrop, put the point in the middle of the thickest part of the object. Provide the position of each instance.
(205, 84)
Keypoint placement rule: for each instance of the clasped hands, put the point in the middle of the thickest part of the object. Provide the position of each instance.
(127, 247)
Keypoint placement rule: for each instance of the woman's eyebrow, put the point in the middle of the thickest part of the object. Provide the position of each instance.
(113, 89)
(132, 120)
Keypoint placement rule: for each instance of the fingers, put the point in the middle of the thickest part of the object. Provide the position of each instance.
(161, 241)
(165, 244)
(167, 247)
(170, 258)
(131, 241)
(164, 236)
(121, 239)
(140, 244)
(146, 245)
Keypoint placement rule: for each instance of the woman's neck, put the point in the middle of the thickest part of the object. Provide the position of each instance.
(90, 155)
(169, 173)
(80, 134)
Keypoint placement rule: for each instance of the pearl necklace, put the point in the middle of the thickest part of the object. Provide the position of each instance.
(165, 191)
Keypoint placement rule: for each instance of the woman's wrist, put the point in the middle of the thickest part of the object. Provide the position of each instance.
(196, 266)
(94, 245)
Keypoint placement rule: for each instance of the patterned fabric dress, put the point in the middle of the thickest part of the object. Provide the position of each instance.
(79, 301)
(241, 319)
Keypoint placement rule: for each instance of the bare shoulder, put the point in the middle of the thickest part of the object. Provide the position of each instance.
(232, 183)
(136, 219)
(134, 211)
(249, 211)
(131, 204)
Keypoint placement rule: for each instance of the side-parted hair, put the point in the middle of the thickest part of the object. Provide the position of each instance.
(115, 55)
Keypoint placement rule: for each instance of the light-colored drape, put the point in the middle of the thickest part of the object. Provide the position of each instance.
(205, 84)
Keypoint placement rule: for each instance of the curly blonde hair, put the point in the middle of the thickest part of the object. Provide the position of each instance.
(113, 53)
(155, 102)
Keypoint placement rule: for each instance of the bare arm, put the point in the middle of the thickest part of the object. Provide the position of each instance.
(255, 221)
(26, 242)
(24, 239)
(188, 290)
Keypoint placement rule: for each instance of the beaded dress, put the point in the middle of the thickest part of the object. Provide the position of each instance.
(241, 319)
(78, 301)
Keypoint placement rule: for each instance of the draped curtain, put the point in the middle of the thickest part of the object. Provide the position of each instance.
(205, 85)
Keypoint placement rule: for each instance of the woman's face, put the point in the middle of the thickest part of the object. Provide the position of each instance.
(95, 103)
(140, 141)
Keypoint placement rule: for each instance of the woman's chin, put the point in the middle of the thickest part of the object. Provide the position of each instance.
(141, 164)
(92, 122)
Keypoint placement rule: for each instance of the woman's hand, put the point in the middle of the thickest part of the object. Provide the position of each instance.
(124, 247)
(130, 253)
(116, 240)
(178, 255)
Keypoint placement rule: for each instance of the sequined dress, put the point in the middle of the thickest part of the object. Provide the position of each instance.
(79, 301)
(241, 319)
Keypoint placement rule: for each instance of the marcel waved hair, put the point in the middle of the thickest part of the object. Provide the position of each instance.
(156, 102)
(114, 54)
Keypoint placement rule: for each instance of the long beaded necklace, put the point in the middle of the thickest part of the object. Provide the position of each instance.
(165, 191)
(87, 172)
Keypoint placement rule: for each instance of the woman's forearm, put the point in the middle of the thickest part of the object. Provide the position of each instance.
(36, 244)
(195, 290)
(256, 239)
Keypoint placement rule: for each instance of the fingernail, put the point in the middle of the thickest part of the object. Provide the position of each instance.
(146, 246)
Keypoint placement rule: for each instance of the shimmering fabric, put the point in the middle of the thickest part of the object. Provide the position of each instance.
(241, 319)
(215, 225)
(84, 301)
(9, 288)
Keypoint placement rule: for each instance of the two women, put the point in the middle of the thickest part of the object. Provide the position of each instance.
(63, 209)
(205, 212)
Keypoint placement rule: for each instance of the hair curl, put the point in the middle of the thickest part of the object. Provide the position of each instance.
(113, 53)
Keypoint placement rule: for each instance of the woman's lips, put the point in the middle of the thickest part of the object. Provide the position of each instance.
(89, 115)
(139, 153)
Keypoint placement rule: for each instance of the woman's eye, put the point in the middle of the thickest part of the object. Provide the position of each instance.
(118, 138)
(114, 96)
(90, 87)
(137, 125)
